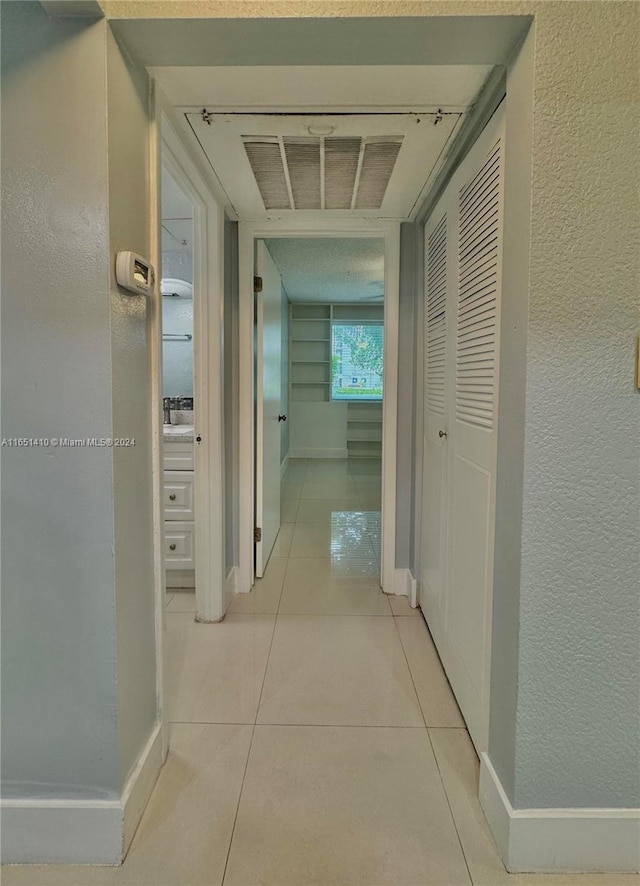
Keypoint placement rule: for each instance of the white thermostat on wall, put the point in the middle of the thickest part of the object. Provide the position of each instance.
(135, 273)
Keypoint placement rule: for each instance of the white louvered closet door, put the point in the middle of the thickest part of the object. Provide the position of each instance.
(473, 428)
(436, 319)
(460, 468)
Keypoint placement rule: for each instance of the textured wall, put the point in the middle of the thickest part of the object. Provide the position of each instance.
(129, 228)
(578, 714)
(78, 672)
(58, 608)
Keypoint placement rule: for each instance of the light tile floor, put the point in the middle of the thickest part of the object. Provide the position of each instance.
(315, 740)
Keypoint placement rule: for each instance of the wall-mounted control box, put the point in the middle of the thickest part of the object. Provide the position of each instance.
(134, 272)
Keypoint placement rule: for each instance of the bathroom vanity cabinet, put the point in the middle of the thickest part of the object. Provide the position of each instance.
(178, 506)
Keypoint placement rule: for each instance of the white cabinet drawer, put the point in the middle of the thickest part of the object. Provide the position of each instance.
(179, 545)
(178, 455)
(177, 495)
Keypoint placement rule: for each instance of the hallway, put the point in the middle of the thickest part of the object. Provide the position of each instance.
(314, 737)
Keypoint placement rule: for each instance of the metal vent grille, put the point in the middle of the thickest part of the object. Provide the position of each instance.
(303, 161)
(322, 172)
(436, 317)
(341, 158)
(480, 208)
(379, 158)
(266, 162)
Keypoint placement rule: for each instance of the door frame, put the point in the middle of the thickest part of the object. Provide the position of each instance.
(169, 150)
(248, 233)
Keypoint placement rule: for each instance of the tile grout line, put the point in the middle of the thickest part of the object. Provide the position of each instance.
(444, 789)
(453, 818)
(406, 658)
(255, 721)
(235, 817)
(253, 732)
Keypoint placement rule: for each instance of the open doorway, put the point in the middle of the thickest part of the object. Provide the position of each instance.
(322, 302)
(324, 431)
(188, 383)
(177, 392)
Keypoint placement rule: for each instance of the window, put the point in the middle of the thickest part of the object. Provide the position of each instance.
(357, 354)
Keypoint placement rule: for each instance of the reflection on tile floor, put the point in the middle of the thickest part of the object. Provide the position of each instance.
(315, 739)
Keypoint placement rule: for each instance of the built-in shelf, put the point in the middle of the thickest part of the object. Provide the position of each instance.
(310, 370)
(310, 350)
(364, 430)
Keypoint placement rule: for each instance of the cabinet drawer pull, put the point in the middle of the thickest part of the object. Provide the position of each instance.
(172, 547)
(172, 497)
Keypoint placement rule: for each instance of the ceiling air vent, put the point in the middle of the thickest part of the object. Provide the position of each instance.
(380, 155)
(265, 158)
(322, 172)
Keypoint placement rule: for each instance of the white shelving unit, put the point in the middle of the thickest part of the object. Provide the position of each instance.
(364, 430)
(310, 352)
(310, 369)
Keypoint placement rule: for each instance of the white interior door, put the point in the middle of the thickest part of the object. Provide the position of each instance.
(268, 390)
(461, 404)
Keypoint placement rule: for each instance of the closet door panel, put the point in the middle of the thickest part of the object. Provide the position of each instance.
(473, 431)
(437, 300)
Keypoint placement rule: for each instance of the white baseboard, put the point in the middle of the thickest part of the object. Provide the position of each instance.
(61, 831)
(93, 831)
(559, 840)
(181, 578)
(405, 585)
(318, 453)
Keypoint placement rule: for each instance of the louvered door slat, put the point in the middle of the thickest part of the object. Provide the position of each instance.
(478, 232)
(436, 317)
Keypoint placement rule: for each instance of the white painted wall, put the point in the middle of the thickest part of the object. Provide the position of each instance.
(59, 678)
(79, 678)
(129, 228)
(577, 716)
(318, 430)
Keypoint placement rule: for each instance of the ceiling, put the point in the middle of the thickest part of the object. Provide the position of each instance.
(330, 269)
(316, 87)
(177, 216)
(375, 108)
(361, 165)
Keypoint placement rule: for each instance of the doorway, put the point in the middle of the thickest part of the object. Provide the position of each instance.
(319, 403)
(315, 387)
(188, 349)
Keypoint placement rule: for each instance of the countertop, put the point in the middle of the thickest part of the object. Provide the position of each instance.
(183, 433)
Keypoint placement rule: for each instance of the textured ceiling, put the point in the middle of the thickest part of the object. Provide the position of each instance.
(330, 269)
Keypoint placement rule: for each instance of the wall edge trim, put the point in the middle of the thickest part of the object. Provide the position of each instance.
(405, 585)
(140, 785)
(577, 840)
(80, 831)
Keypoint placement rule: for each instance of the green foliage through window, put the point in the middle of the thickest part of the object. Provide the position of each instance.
(357, 361)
